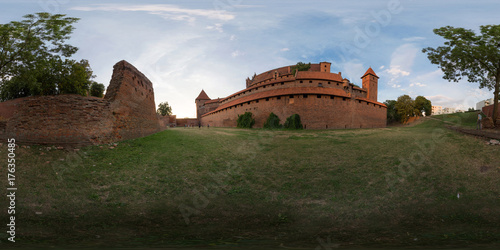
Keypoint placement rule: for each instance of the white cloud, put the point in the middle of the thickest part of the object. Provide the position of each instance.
(284, 49)
(413, 39)
(401, 63)
(237, 53)
(232, 38)
(166, 11)
(217, 26)
(381, 67)
(417, 84)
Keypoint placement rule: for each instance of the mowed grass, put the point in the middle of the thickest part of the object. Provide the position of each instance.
(466, 120)
(421, 185)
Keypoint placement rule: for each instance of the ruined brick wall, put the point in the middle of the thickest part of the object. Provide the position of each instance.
(127, 111)
(193, 122)
(59, 120)
(132, 101)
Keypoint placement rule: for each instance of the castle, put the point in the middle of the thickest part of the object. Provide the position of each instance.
(324, 100)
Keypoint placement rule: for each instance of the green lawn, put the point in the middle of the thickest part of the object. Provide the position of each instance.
(223, 186)
(467, 119)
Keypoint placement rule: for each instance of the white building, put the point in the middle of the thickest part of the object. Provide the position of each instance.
(484, 103)
(437, 110)
(448, 110)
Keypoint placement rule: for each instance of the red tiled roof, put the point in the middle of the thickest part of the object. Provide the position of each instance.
(371, 72)
(202, 96)
(291, 91)
(214, 100)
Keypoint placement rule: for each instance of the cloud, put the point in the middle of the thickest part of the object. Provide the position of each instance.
(417, 84)
(217, 26)
(166, 11)
(413, 39)
(284, 49)
(401, 63)
(237, 53)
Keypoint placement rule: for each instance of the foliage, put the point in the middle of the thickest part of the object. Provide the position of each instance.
(34, 58)
(405, 106)
(245, 120)
(466, 54)
(300, 66)
(423, 104)
(293, 122)
(273, 121)
(471, 109)
(164, 109)
(392, 112)
(97, 89)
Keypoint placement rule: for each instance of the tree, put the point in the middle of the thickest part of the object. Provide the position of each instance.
(422, 104)
(405, 108)
(466, 54)
(273, 121)
(164, 109)
(392, 112)
(300, 66)
(245, 120)
(293, 122)
(97, 89)
(34, 58)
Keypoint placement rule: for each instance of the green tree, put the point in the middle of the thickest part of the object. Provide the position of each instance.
(34, 58)
(272, 122)
(405, 107)
(164, 109)
(423, 104)
(392, 112)
(293, 122)
(300, 66)
(466, 54)
(97, 89)
(245, 120)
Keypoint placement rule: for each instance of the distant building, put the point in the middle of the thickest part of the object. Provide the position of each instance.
(484, 103)
(437, 110)
(448, 110)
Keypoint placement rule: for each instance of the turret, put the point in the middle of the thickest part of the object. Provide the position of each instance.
(200, 104)
(370, 83)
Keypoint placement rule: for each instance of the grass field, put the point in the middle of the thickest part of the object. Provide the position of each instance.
(421, 185)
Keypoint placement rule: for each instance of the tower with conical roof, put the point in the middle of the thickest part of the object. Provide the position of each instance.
(370, 83)
(200, 104)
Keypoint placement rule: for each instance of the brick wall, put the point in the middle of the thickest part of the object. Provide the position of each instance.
(127, 111)
(315, 113)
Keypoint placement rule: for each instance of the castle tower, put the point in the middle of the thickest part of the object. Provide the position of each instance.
(370, 83)
(324, 67)
(200, 104)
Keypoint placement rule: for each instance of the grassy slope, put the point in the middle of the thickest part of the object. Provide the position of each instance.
(467, 119)
(368, 186)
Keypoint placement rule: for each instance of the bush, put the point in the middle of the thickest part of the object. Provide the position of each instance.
(97, 89)
(273, 121)
(293, 122)
(245, 120)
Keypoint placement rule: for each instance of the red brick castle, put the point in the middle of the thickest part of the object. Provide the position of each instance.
(323, 100)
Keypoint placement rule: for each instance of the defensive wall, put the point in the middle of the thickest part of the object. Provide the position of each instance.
(323, 100)
(127, 111)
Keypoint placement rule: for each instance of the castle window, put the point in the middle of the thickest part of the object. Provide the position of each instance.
(257, 101)
(305, 96)
(248, 102)
(267, 99)
(257, 88)
(320, 84)
(301, 81)
(331, 97)
(367, 103)
(329, 82)
(310, 81)
(279, 97)
(291, 96)
(343, 98)
(264, 87)
(359, 101)
(272, 85)
(319, 96)
(282, 83)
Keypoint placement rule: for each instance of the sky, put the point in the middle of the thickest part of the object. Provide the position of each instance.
(186, 46)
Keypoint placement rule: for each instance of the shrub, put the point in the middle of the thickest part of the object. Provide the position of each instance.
(245, 120)
(273, 121)
(293, 122)
(97, 89)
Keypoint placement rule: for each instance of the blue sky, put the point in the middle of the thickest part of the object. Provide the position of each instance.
(186, 46)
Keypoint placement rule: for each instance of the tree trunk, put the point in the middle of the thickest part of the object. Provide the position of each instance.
(495, 98)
